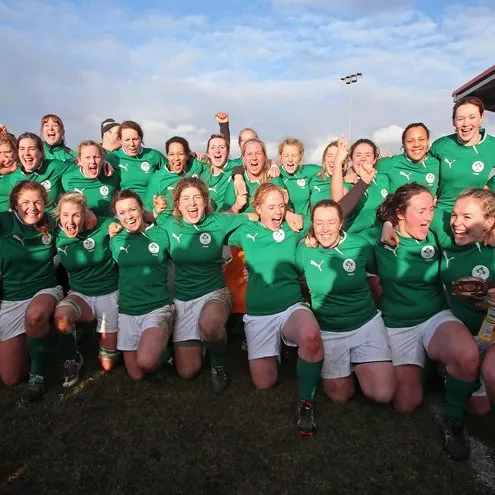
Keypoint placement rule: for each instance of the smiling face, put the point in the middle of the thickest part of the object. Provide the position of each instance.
(254, 159)
(218, 152)
(29, 154)
(90, 161)
(71, 218)
(192, 205)
(131, 142)
(7, 154)
(130, 214)
(272, 210)
(290, 158)
(467, 123)
(177, 158)
(468, 222)
(416, 143)
(363, 153)
(415, 220)
(30, 206)
(327, 225)
(329, 159)
(53, 133)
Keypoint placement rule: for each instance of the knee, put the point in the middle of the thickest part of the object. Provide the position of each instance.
(339, 395)
(36, 321)
(479, 405)
(135, 375)
(469, 360)
(405, 405)
(147, 363)
(382, 394)
(63, 323)
(14, 378)
(264, 382)
(187, 372)
(210, 331)
(311, 343)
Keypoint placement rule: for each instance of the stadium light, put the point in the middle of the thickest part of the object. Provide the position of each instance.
(349, 81)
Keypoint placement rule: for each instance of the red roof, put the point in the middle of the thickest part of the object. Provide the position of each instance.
(482, 86)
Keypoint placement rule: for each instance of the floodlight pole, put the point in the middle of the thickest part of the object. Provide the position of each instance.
(350, 80)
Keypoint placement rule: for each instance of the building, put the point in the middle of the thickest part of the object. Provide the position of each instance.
(482, 86)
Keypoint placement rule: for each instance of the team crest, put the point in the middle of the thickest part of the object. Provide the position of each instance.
(301, 182)
(89, 243)
(478, 167)
(153, 248)
(47, 184)
(427, 252)
(104, 190)
(46, 239)
(430, 178)
(384, 193)
(145, 167)
(481, 271)
(205, 238)
(349, 265)
(279, 235)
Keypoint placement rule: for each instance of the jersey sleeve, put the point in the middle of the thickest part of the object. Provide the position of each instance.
(152, 190)
(440, 227)
(231, 221)
(300, 253)
(310, 170)
(229, 198)
(235, 238)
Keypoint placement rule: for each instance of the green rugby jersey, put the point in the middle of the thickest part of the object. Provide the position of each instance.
(196, 250)
(462, 166)
(59, 152)
(400, 170)
(136, 171)
(341, 298)
(217, 184)
(319, 187)
(49, 174)
(98, 191)
(5, 188)
(26, 258)
(163, 183)
(142, 258)
(410, 275)
(88, 260)
(270, 260)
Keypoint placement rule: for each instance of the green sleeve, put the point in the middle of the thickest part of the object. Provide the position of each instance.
(229, 198)
(440, 226)
(232, 221)
(151, 190)
(235, 239)
(310, 170)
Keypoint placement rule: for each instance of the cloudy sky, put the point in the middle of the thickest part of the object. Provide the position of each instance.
(274, 65)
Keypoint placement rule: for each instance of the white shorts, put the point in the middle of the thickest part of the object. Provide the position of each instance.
(132, 327)
(12, 313)
(264, 333)
(187, 313)
(409, 344)
(368, 344)
(483, 347)
(105, 310)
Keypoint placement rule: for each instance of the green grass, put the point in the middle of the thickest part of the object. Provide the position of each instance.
(165, 435)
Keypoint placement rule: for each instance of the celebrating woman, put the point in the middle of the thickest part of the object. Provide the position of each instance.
(53, 132)
(8, 159)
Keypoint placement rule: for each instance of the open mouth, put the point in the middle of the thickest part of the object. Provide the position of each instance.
(193, 213)
(131, 223)
(71, 230)
(277, 222)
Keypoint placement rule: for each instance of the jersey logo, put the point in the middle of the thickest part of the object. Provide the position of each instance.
(301, 182)
(394, 250)
(481, 271)
(478, 167)
(205, 239)
(47, 184)
(318, 265)
(63, 250)
(89, 243)
(427, 252)
(170, 188)
(447, 259)
(126, 249)
(318, 188)
(279, 235)
(46, 239)
(124, 166)
(384, 193)
(17, 238)
(430, 178)
(448, 162)
(79, 190)
(177, 237)
(252, 236)
(349, 265)
(104, 190)
(214, 189)
(145, 167)
(407, 176)
(153, 248)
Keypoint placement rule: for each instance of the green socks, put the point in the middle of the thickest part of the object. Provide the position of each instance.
(218, 351)
(37, 349)
(68, 345)
(308, 377)
(457, 394)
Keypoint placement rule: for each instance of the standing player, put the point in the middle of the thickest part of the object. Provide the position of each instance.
(53, 133)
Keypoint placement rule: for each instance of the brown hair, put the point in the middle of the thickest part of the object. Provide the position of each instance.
(324, 203)
(217, 136)
(485, 198)
(9, 139)
(56, 119)
(264, 174)
(376, 151)
(184, 184)
(398, 202)
(125, 194)
(468, 100)
(265, 189)
(74, 197)
(90, 142)
(413, 126)
(34, 137)
(244, 130)
(291, 142)
(130, 124)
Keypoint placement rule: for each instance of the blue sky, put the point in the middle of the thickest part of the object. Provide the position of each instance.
(271, 64)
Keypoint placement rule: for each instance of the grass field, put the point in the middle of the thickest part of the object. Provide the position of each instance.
(164, 435)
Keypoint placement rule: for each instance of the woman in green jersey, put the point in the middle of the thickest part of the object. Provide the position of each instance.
(413, 301)
(414, 165)
(320, 183)
(93, 278)
(146, 312)
(275, 307)
(8, 165)
(353, 333)
(53, 133)
(135, 163)
(90, 180)
(29, 288)
(466, 157)
(196, 236)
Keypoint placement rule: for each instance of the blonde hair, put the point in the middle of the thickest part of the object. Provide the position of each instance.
(90, 142)
(73, 197)
(262, 192)
(264, 174)
(291, 142)
(332, 144)
(484, 197)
